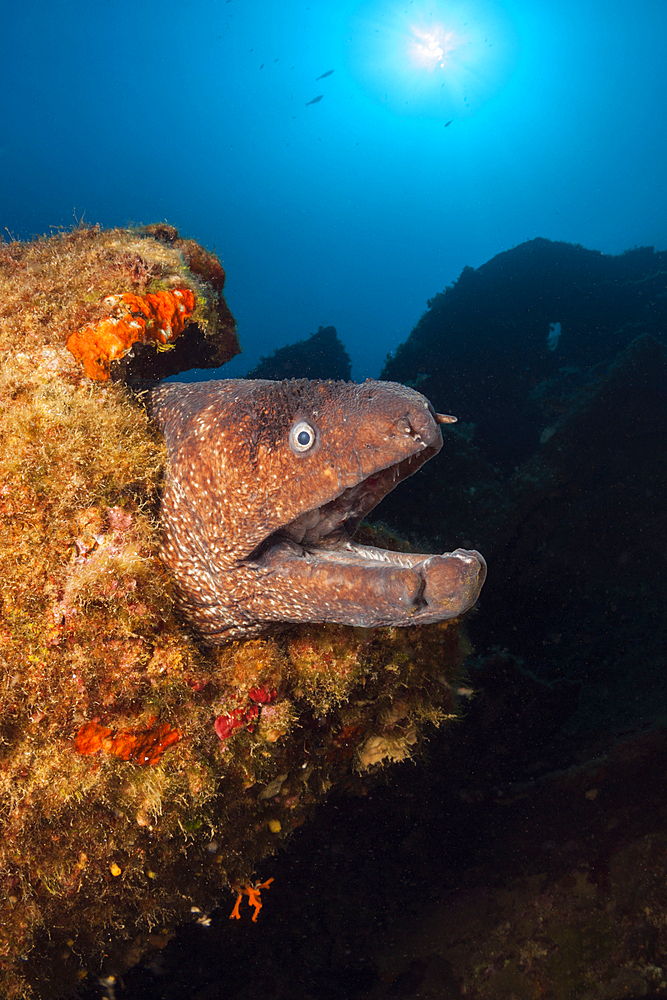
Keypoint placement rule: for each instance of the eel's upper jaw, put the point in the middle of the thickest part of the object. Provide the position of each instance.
(345, 512)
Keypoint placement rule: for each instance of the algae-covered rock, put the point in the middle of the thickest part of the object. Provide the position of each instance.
(143, 774)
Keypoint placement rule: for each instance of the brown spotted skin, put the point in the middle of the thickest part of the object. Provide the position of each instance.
(252, 528)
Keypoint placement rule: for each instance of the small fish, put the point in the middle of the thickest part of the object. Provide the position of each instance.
(449, 122)
(315, 99)
(328, 73)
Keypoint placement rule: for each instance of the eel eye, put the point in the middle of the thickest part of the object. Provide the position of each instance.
(302, 437)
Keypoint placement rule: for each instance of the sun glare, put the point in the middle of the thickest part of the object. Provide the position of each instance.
(432, 58)
(433, 48)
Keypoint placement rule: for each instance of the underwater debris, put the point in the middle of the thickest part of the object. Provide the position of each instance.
(158, 317)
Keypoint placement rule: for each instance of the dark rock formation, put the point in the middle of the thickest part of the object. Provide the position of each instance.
(322, 355)
(485, 344)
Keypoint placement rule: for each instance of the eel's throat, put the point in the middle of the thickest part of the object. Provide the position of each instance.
(332, 525)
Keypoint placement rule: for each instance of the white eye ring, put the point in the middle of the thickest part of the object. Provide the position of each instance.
(302, 437)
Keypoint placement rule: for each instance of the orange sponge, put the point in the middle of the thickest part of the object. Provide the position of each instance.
(143, 746)
(158, 317)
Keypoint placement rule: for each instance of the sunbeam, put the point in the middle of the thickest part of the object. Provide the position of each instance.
(435, 60)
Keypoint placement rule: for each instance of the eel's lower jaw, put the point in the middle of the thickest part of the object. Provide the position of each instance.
(312, 571)
(358, 585)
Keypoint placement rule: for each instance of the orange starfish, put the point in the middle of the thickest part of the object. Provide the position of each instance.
(254, 898)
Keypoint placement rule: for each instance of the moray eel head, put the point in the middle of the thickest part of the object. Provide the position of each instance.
(266, 484)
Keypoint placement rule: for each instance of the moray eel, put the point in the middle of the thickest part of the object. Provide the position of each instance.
(266, 484)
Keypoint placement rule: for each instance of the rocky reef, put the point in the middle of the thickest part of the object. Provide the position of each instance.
(521, 319)
(322, 355)
(556, 358)
(145, 776)
(558, 478)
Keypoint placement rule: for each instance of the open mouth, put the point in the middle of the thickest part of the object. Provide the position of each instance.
(315, 555)
(326, 532)
(269, 481)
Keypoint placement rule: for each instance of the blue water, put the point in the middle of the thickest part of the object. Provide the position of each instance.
(514, 119)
